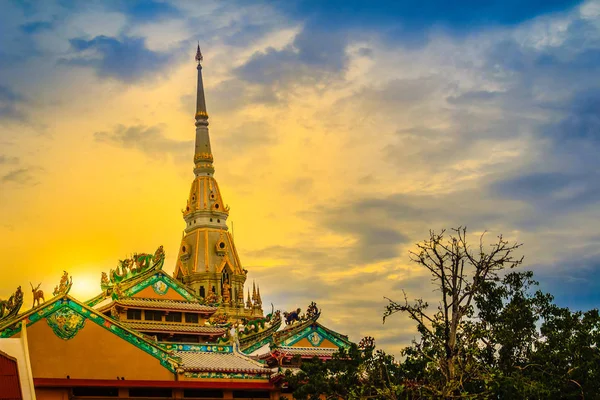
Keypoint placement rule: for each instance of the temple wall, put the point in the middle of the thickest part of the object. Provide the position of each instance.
(94, 353)
(51, 393)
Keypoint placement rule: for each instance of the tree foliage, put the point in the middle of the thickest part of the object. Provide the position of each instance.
(491, 336)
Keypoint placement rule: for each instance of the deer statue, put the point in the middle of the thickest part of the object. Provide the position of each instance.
(37, 294)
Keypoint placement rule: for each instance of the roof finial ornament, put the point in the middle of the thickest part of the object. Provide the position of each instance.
(199, 57)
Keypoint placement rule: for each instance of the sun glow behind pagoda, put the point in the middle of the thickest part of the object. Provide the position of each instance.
(187, 333)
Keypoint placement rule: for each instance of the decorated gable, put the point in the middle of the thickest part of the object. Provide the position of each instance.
(62, 330)
(159, 286)
(142, 276)
(316, 335)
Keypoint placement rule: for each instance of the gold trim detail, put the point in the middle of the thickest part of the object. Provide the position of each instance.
(206, 249)
(201, 114)
(203, 157)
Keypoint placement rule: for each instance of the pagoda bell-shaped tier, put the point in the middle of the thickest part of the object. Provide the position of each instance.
(208, 262)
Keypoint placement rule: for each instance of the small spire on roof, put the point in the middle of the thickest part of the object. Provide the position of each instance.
(249, 302)
(258, 299)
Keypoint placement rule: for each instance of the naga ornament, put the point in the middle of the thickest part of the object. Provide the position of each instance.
(64, 286)
(9, 308)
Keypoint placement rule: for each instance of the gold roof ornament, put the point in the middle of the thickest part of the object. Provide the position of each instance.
(38, 295)
(64, 286)
(10, 308)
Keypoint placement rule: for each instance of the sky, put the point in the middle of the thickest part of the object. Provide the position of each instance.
(342, 133)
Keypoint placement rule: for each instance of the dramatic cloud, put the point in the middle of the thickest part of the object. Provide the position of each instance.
(126, 58)
(342, 133)
(314, 57)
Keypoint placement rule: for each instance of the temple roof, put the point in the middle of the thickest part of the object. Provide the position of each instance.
(157, 279)
(302, 351)
(173, 327)
(230, 362)
(165, 304)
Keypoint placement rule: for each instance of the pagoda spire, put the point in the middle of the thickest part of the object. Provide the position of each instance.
(203, 158)
(258, 299)
(200, 99)
(249, 302)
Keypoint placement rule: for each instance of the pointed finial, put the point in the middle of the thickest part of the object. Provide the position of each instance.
(249, 302)
(199, 57)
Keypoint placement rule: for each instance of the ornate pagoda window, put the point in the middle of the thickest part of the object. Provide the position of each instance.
(191, 318)
(173, 317)
(134, 314)
(152, 315)
(202, 293)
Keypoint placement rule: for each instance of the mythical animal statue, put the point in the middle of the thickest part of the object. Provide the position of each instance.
(141, 262)
(273, 315)
(159, 255)
(38, 294)
(6, 305)
(291, 317)
(211, 298)
(312, 311)
(104, 279)
(252, 326)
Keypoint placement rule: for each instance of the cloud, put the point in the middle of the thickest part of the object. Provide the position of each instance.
(149, 10)
(473, 97)
(21, 176)
(247, 135)
(149, 140)
(314, 57)
(572, 286)
(11, 104)
(36, 27)
(4, 160)
(126, 59)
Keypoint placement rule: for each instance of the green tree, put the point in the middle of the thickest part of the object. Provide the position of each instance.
(360, 372)
(448, 349)
(494, 335)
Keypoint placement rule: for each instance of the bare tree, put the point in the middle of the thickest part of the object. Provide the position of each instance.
(459, 273)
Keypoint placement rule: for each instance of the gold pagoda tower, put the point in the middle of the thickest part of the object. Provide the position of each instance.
(208, 262)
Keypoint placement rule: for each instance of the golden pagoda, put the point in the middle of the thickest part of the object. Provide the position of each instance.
(208, 261)
(150, 334)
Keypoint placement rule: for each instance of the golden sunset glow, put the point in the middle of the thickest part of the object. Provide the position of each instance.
(334, 163)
